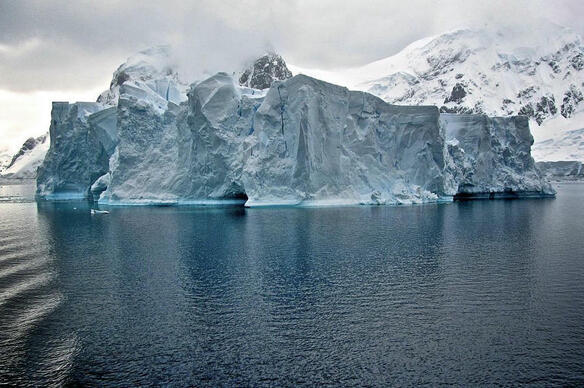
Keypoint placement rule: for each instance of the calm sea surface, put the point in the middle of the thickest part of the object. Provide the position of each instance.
(469, 293)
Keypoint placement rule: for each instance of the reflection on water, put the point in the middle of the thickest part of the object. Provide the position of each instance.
(465, 293)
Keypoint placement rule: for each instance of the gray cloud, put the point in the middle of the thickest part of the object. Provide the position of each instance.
(62, 45)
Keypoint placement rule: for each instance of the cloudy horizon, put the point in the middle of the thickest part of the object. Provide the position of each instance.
(60, 51)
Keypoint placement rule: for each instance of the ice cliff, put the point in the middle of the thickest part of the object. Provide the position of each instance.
(299, 141)
(490, 156)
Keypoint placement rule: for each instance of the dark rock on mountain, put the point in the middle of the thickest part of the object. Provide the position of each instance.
(572, 98)
(265, 70)
(458, 93)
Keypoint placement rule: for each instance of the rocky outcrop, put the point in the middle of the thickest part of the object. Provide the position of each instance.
(264, 71)
(572, 98)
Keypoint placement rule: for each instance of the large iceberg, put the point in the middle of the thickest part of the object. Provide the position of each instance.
(301, 141)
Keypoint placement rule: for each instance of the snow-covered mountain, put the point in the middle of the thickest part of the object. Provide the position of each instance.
(566, 145)
(24, 164)
(503, 72)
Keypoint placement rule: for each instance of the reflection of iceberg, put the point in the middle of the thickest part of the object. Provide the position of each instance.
(301, 142)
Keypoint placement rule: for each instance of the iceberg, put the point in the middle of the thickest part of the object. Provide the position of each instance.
(319, 143)
(301, 141)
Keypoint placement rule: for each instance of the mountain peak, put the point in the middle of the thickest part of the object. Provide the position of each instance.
(266, 69)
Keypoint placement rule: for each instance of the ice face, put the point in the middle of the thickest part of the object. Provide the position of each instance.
(76, 157)
(84, 136)
(491, 155)
(190, 153)
(319, 143)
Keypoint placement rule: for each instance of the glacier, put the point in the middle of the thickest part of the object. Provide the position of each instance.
(279, 140)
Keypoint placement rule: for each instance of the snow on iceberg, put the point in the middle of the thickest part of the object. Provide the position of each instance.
(151, 75)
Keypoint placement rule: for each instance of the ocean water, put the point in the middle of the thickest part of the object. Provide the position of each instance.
(468, 293)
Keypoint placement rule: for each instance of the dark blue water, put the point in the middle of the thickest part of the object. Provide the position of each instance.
(470, 293)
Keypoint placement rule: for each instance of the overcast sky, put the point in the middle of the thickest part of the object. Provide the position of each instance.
(67, 50)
